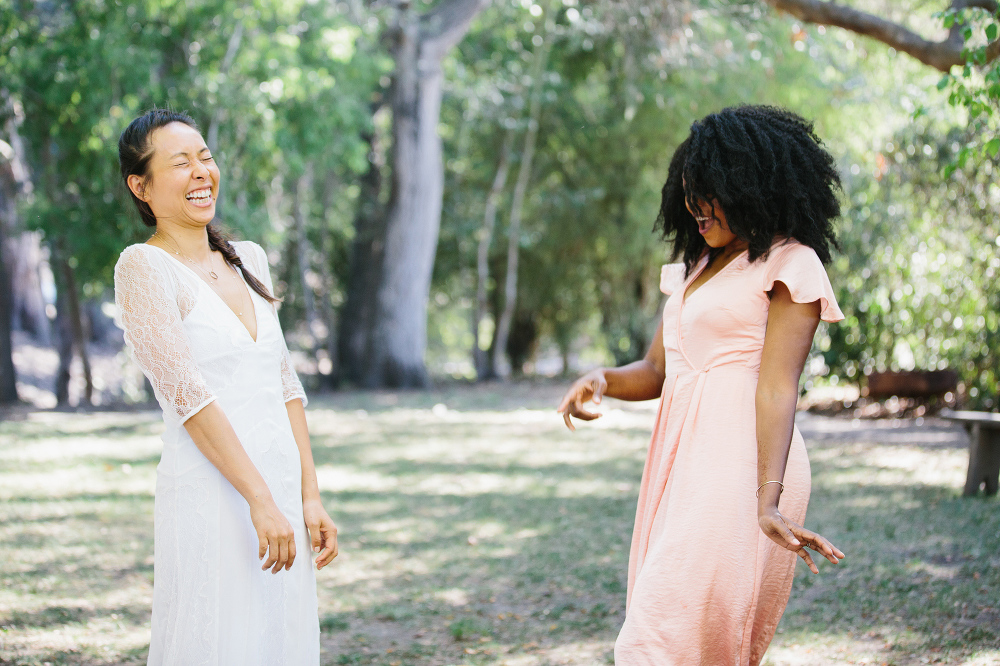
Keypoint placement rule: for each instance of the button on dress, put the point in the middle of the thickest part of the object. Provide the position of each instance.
(705, 585)
(212, 604)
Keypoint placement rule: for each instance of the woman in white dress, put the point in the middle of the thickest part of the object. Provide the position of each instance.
(237, 504)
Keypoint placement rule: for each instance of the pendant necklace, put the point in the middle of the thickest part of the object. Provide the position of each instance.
(211, 274)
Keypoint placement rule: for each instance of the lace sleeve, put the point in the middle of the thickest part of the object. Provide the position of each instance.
(151, 319)
(291, 386)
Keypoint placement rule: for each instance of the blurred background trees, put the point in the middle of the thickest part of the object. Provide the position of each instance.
(526, 247)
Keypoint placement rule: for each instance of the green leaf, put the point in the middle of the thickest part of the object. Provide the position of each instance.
(992, 147)
(943, 83)
(991, 31)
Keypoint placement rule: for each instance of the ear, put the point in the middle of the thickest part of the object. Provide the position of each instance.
(138, 186)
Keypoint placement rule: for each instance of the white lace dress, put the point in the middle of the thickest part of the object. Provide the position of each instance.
(212, 604)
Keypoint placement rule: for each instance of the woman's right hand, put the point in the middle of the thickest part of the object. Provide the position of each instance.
(590, 387)
(275, 536)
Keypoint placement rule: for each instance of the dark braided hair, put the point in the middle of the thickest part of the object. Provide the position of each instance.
(766, 169)
(135, 150)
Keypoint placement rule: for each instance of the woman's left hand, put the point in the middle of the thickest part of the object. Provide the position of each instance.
(790, 535)
(322, 532)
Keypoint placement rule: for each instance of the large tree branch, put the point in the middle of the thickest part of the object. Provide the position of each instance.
(444, 26)
(942, 55)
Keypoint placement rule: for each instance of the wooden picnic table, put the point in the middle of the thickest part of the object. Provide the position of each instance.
(984, 448)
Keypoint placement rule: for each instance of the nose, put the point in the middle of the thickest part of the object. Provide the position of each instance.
(201, 171)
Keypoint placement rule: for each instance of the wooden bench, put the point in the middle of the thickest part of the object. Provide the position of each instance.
(984, 448)
(910, 384)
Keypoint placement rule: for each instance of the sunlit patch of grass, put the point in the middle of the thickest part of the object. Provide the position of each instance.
(923, 567)
(476, 530)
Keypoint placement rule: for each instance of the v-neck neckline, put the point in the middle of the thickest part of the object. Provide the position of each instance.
(687, 284)
(253, 305)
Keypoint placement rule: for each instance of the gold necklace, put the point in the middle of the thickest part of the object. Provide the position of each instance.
(177, 251)
(211, 274)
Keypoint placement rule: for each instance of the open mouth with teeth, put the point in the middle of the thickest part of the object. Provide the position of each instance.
(201, 197)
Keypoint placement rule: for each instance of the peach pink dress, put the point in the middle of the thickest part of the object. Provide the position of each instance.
(705, 585)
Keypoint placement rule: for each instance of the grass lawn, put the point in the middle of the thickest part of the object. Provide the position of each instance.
(476, 530)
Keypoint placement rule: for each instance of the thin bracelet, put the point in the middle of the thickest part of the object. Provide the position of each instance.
(767, 482)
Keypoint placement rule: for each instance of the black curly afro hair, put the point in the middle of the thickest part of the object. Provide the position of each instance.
(766, 169)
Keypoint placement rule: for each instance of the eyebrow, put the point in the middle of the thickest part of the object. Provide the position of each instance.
(184, 154)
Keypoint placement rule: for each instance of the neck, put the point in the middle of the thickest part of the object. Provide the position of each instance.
(727, 252)
(190, 242)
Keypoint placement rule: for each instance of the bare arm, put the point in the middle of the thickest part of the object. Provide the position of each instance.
(322, 531)
(642, 380)
(790, 330)
(214, 436)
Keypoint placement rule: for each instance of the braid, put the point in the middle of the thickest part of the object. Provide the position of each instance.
(769, 173)
(217, 241)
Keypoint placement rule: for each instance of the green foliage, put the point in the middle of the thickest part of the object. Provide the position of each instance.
(252, 76)
(620, 89)
(918, 276)
(976, 87)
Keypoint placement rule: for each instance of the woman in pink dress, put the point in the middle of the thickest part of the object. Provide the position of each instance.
(748, 203)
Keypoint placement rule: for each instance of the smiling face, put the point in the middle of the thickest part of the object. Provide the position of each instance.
(711, 220)
(182, 182)
(712, 225)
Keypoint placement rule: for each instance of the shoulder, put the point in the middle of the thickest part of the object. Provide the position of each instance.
(791, 251)
(140, 257)
(251, 252)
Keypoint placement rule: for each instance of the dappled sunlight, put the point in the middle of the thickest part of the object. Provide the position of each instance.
(479, 536)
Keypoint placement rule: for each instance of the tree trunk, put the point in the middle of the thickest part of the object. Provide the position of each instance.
(14, 183)
(219, 109)
(399, 331)
(71, 333)
(64, 337)
(8, 377)
(516, 208)
(303, 185)
(358, 312)
(480, 358)
(331, 377)
(28, 305)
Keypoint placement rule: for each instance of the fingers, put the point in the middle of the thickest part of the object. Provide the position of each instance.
(291, 552)
(261, 547)
(804, 554)
(330, 550)
(280, 547)
(598, 386)
(272, 554)
(820, 544)
(792, 536)
(582, 391)
(315, 537)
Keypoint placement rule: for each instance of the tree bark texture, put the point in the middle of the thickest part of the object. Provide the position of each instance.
(358, 314)
(69, 321)
(303, 188)
(8, 377)
(399, 331)
(516, 209)
(14, 184)
(480, 358)
(26, 257)
(941, 55)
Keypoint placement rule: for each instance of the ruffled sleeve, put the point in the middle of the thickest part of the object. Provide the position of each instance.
(291, 386)
(149, 313)
(671, 278)
(800, 269)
